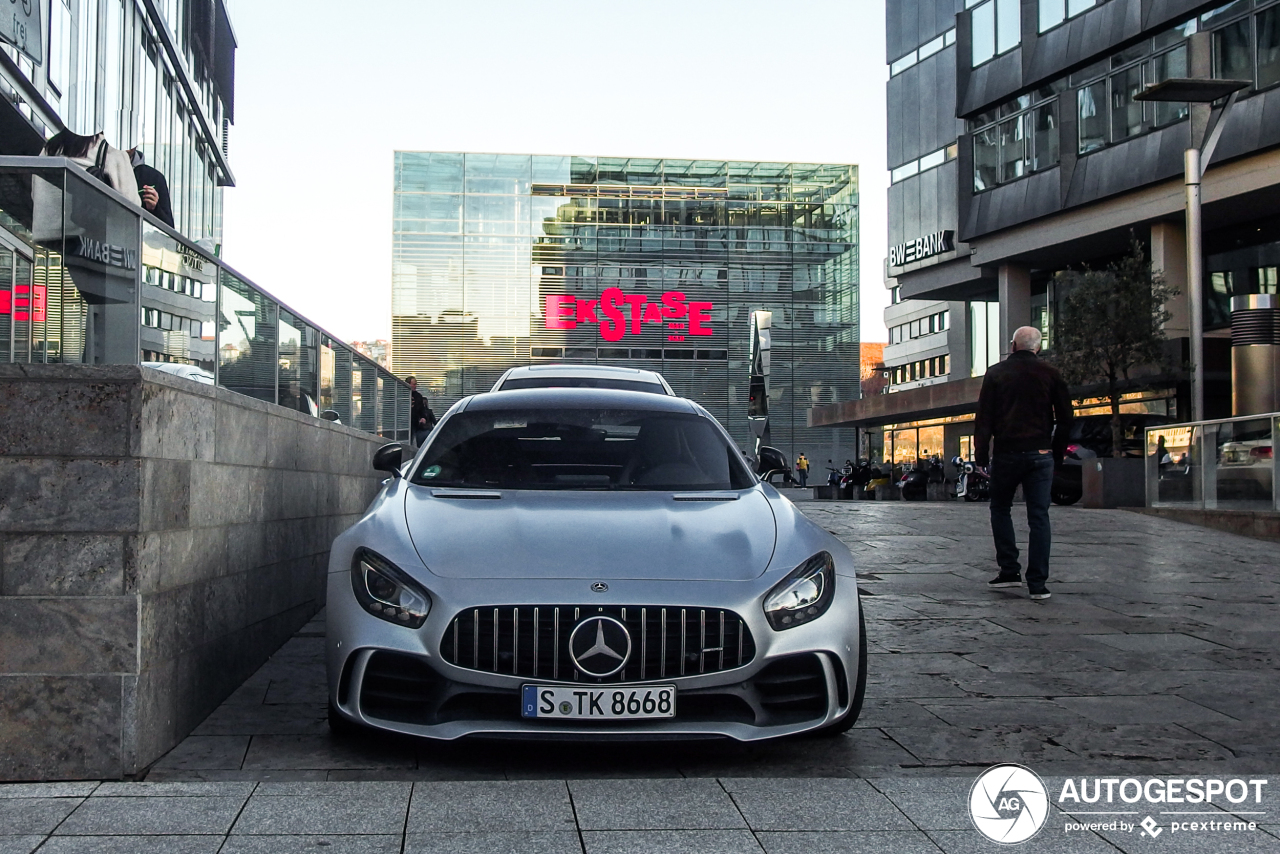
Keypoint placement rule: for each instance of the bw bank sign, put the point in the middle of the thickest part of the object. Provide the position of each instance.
(1009, 804)
(938, 243)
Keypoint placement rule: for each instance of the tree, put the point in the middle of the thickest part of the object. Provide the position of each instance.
(1110, 323)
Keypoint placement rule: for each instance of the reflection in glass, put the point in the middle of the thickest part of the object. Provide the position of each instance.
(1126, 113)
(1232, 58)
(1268, 30)
(983, 32)
(247, 328)
(1092, 116)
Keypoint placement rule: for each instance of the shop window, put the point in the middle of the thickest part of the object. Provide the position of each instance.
(1265, 281)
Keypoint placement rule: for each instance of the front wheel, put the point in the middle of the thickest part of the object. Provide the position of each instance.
(859, 689)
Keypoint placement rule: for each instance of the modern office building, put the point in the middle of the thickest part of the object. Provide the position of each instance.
(159, 76)
(687, 267)
(155, 76)
(1018, 149)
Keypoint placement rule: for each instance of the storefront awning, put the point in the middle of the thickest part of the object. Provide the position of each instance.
(933, 401)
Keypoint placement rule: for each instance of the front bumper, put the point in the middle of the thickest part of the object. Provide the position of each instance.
(393, 678)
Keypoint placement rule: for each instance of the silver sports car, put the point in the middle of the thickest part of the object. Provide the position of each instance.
(589, 563)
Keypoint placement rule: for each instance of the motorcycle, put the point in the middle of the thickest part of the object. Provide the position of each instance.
(971, 484)
(847, 480)
(914, 484)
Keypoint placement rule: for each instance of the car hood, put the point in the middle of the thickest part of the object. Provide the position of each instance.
(592, 535)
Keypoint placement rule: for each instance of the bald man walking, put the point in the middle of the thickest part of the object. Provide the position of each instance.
(1025, 408)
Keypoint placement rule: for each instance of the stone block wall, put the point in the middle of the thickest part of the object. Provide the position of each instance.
(159, 539)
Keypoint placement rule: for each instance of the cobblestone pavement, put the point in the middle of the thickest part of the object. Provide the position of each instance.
(1157, 655)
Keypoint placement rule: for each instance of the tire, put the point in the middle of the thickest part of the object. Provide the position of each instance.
(1065, 496)
(340, 727)
(850, 718)
(972, 495)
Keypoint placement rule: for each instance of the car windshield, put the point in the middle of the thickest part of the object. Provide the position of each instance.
(582, 382)
(581, 449)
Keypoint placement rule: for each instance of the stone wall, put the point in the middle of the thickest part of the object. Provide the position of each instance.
(159, 539)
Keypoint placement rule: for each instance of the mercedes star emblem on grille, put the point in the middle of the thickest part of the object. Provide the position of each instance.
(599, 587)
(600, 646)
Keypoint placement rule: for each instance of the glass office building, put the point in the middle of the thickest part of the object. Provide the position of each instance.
(670, 265)
(159, 76)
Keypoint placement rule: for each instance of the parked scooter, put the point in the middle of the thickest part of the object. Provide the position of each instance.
(833, 479)
(971, 484)
(915, 483)
(848, 482)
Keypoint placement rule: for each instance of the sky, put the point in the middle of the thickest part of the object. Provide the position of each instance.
(326, 91)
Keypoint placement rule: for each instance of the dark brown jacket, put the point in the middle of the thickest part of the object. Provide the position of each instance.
(1021, 401)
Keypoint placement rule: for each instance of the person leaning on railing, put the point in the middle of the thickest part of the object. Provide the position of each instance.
(102, 161)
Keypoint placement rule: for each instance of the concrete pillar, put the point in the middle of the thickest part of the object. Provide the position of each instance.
(1169, 259)
(1015, 302)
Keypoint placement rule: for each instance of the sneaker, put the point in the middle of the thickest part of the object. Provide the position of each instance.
(1003, 580)
(1040, 592)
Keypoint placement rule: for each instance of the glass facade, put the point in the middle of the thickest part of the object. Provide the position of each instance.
(503, 260)
(159, 77)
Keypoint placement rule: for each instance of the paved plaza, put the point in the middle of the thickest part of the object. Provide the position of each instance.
(1157, 655)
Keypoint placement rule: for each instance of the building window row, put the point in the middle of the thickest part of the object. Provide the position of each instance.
(155, 319)
(923, 369)
(1106, 109)
(939, 322)
(995, 28)
(1054, 12)
(923, 52)
(1011, 146)
(173, 282)
(931, 160)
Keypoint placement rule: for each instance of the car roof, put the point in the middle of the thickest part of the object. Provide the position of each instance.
(580, 398)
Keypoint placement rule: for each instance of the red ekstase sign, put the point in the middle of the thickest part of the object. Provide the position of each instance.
(619, 314)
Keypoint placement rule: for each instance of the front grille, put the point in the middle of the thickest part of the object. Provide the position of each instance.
(532, 641)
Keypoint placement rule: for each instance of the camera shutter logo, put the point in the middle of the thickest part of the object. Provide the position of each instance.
(1008, 804)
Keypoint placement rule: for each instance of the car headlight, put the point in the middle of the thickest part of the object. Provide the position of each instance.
(805, 594)
(387, 592)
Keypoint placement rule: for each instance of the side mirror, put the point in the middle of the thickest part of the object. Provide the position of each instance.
(331, 415)
(388, 458)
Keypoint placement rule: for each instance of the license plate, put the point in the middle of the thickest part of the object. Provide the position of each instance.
(623, 703)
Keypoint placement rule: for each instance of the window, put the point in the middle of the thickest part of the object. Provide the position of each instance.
(1015, 147)
(925, 51)
(1266, 280)
(1232, 58)
(996, 28)
(1268, 31)
(1127, 114)
(931, 160)
(1054, 12)
(1091, 116)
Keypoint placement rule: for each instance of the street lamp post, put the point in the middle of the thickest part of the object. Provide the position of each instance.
(1196, 160)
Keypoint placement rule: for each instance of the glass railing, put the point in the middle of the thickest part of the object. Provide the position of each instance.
(1214, 465)
(86, 277)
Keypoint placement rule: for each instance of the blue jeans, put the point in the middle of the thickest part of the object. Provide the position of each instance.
(1034, 471)
(804, 477)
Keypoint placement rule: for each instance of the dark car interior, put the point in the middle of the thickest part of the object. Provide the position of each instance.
(581, 449)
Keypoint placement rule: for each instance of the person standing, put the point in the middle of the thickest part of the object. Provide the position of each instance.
(1025, 407)
(802, 469)
(420, 416)
(152, 187)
